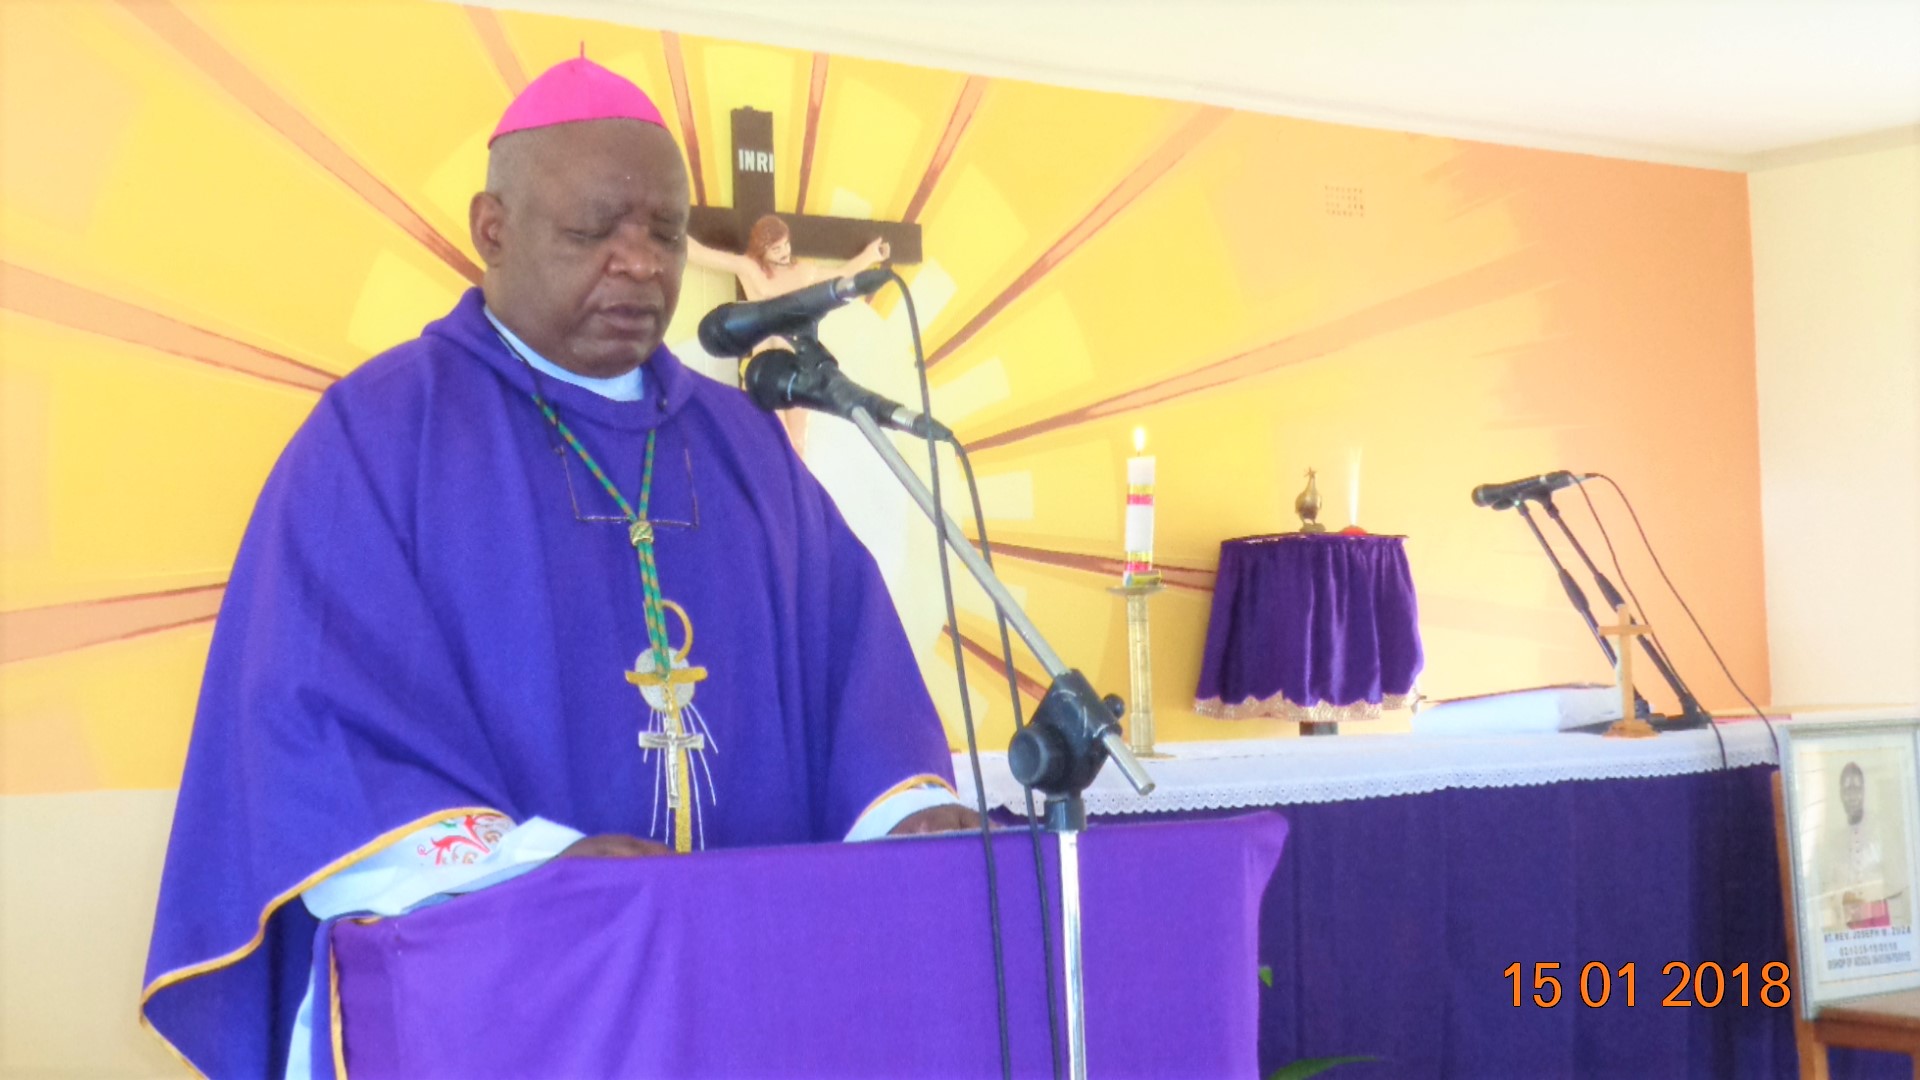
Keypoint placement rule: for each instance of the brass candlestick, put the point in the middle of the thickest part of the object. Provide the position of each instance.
(1139, 720)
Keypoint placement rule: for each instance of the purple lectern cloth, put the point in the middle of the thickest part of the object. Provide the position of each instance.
(419, 622)
(1304, 620)
(869, 960)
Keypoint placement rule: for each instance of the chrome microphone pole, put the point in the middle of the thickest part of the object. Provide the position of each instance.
(1110, 739)
(1073, 732)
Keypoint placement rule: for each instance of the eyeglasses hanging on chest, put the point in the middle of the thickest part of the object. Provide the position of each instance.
(670, 512)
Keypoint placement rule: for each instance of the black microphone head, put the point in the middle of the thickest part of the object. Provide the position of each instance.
(770, 378)
(864, 283)
(1542, 487)
(717, 337)
(1492, 495)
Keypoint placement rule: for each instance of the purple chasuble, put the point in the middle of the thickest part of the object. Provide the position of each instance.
(420, 621)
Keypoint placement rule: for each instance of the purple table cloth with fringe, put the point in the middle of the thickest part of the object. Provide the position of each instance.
(1320, 627)
(847, 961)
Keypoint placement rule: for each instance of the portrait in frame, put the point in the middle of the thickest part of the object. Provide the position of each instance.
(1853, 825)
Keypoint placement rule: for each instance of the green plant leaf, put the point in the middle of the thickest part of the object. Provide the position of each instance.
(1306, 1067)
(1266, 976)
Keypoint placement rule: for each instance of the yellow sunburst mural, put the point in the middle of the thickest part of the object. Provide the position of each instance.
(213, 209)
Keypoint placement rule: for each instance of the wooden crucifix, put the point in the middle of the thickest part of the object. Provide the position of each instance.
(1629, 726)
(813, 235)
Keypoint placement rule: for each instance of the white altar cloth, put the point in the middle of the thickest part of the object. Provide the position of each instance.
(1280, 772)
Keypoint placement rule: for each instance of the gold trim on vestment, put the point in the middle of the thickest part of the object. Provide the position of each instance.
(181, 974)
(337, 1030)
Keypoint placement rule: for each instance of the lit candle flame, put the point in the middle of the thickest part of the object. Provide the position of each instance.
(1139, 440)
(1353, 489)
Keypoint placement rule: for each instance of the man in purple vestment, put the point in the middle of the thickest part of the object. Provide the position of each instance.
(525, 580)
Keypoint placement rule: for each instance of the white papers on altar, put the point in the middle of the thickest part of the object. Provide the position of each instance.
(1544, 710)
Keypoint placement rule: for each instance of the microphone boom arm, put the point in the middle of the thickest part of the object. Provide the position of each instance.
(1578, 598)
(1115, 746)
(1060, 750)
(1073, 733)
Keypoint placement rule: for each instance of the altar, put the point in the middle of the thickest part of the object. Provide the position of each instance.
(1420, 869)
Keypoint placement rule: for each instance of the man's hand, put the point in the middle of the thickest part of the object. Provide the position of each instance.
(937, 819)
(613, 846)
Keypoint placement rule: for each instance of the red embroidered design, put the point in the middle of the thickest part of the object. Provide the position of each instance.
(463, 840)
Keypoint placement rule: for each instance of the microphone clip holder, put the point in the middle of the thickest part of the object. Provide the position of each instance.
(804, 345)
(808, 357)
(1061, 749)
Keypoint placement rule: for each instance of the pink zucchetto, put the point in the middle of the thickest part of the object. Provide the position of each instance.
(574, 91)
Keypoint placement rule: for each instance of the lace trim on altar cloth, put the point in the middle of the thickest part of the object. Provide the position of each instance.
(1229, 774)
(1278, 707)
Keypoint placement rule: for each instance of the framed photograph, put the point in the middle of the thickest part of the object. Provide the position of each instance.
(1853, 831)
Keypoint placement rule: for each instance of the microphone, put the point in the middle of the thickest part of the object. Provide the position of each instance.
(734, 329)
(777, 379)
(1502, 496)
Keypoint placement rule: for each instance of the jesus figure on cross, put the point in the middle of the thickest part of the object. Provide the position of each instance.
(768, 269)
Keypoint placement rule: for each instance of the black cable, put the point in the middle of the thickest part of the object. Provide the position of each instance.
(1728, 881)
(966, 703)
(1724, 670)
(1019, 721)
(1614, 557)
(1653, 635)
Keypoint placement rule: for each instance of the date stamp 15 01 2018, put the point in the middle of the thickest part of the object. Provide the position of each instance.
(1705, 985)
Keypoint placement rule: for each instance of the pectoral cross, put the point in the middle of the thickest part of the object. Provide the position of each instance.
(676, 742)
(1629, 726)
(813, 236)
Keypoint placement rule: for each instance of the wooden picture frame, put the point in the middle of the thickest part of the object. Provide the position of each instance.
(1852, 804)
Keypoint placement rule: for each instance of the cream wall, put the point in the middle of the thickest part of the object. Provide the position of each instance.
(79, 874)
(1836, 283)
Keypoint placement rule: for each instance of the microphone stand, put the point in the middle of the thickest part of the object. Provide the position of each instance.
(1072, 734)
(1691, 714)
(1578, 597)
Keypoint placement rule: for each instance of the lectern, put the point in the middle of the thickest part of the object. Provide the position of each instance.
(851, 960)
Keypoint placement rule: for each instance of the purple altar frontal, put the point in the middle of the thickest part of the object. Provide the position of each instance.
(1310, 627)
(1391, 921)
(1418, 868)
(856, 960)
